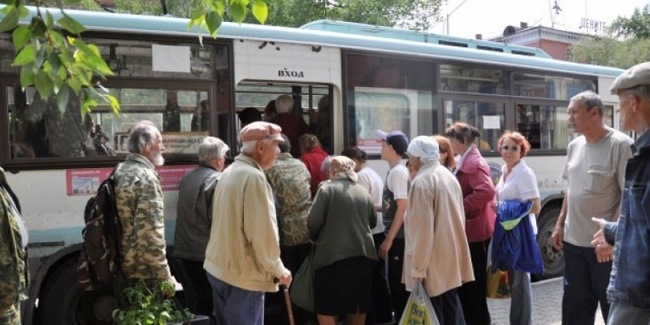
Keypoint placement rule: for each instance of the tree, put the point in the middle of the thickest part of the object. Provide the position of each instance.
(58, 63)
(627, 44)
(637, 26)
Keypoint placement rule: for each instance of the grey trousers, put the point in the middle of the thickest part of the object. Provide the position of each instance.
(236, 306)
(521, 302)
(626, 315)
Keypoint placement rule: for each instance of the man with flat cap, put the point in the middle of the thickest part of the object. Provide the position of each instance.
(243, 254)
(629, 283)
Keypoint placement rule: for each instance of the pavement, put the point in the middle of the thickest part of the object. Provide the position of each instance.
(547, 305)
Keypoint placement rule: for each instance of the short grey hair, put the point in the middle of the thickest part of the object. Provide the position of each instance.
(142, 136)
(590, 99)
(247, 147)
(325, 165)
(284, 104)
(212, 148)
(641, 91)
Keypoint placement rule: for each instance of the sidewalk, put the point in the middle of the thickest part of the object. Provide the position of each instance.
(547, 305)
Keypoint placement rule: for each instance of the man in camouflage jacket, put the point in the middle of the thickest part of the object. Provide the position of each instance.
(139, 200)
(13, 256)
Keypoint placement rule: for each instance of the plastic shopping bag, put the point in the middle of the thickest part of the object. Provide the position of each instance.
(419, 310)
(498, 286)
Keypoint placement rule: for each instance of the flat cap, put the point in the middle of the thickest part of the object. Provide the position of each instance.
(632, 77)
(261, 131)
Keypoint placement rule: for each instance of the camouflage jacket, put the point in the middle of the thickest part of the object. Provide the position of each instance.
(290, 181)
(13, 260)
(139, 200)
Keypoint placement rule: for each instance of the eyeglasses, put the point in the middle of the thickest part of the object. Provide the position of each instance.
(512, 149)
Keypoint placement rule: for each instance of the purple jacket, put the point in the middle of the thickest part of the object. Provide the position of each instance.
(478, 197)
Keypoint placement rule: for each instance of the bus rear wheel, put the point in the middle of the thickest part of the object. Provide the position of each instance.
(553, 258)
(62, 301)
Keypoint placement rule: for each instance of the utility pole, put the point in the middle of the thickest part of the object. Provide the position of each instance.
(451, 12)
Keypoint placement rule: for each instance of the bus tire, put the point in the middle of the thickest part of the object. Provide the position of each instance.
(553, 259)
(63, 302)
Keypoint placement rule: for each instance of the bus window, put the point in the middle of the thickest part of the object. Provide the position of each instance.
(388, 94)
(553, 87)
(39, 129)
(473, 79)
(486, 116)
(545, 127)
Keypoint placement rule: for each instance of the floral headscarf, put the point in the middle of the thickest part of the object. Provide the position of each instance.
(342, 167)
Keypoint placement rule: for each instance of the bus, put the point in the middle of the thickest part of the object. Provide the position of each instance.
(355, 81)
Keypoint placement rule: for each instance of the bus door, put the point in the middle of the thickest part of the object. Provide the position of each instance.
(255, 100)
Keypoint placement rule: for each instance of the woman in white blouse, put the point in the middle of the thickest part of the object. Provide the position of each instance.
(518, 182)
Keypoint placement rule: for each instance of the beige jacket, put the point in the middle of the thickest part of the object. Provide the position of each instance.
(436, 246)
(243, 249)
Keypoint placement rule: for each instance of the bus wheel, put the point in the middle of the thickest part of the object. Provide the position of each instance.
(553, 258)
(62, 301)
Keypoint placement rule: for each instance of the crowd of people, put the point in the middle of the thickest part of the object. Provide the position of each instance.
(244, 230)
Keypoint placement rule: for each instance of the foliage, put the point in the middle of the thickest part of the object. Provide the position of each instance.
(412, 14)
(149, 306)
(638, 25)
(609, 51)
(54, 59)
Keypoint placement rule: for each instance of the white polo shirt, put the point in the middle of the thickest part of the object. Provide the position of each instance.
(371, 181)
(520, 185)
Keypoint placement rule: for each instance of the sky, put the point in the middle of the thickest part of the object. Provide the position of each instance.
(490, 17)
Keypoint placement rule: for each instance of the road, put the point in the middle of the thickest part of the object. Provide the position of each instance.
(547, 305)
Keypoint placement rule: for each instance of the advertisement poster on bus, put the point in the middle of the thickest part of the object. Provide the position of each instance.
(86, 181)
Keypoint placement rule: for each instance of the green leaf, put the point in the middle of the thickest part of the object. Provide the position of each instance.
(10, 20)
(115, 104)
(98, 65)
(24, 12)
(71, 25)
(27, 75)
(62, 98)
(237, 11)
(25, 56)
(213, 21)
(197, 13)
(88, 104)
(20, 36)
(260, 11)
(49, 20)
(75, 84)
(9, 6)
(44, 85)
(37, 27)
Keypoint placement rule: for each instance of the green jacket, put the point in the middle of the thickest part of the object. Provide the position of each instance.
(340, 222)
(13, 257)
(139, 201)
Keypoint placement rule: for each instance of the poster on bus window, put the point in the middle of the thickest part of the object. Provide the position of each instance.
(183, 142)
(86, 181)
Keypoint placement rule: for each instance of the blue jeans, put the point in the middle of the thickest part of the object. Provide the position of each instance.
(585, 285)
(627, 315)
(236, 306)
(521, 310)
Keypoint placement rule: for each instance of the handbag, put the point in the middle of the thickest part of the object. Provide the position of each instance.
(498, 286)
(302, 287)
(419, 310)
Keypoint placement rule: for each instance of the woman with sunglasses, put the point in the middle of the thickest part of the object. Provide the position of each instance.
(518, 182)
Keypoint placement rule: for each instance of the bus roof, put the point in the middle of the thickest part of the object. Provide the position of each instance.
(422, 37)
(161, 25)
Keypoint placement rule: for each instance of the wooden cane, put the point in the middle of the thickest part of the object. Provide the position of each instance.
(287, 300)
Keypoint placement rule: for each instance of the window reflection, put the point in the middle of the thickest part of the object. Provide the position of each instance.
(545, 127)
(487, 117)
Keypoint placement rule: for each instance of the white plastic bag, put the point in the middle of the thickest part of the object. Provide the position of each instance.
(419, 310)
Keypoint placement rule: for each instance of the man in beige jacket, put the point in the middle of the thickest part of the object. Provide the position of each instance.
(243, 254)
(436, 251)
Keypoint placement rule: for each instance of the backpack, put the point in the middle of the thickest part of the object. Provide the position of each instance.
(100, 262)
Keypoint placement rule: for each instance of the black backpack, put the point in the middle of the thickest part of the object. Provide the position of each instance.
(100, 262)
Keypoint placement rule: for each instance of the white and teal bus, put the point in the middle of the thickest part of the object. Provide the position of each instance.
(373, 78)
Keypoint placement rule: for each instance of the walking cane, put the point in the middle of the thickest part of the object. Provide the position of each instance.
(287, 300)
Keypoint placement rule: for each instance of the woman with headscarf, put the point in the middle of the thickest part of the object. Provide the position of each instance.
(475, 178)
(339, 225)
(436, 250)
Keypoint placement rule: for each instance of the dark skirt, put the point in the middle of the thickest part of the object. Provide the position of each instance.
(344, 287)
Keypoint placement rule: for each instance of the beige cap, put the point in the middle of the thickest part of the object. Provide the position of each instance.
(632, 77)
(261, 131)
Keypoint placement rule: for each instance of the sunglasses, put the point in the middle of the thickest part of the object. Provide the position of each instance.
(512, 149)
